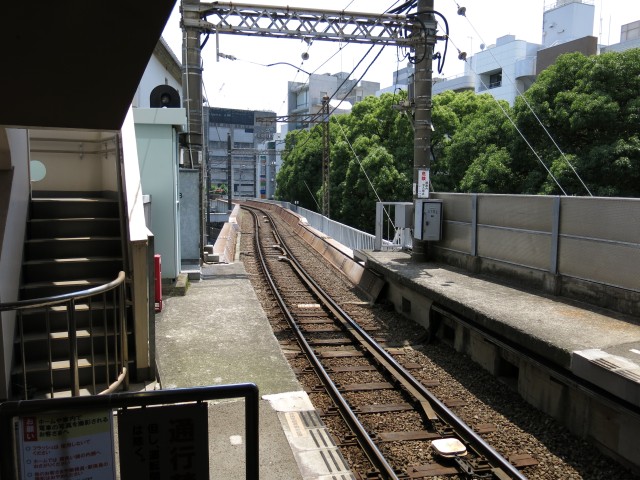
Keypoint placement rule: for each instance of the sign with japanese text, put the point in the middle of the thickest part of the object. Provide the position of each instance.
(423, 183)
(164, 443)
(65, 445)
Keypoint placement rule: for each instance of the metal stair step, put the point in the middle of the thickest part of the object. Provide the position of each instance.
(59, 365)
(71, 260)
(48, 207)
(70, 247)
(62, 335)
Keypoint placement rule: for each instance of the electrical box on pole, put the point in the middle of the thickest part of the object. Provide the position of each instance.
(428, 220)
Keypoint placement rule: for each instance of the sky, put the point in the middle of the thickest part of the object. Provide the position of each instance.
(247, 83)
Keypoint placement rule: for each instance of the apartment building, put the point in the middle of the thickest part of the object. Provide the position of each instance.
(510, 66)
(306, 97)
(251, 164)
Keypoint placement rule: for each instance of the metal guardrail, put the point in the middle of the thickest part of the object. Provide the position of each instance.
(9, 411)
(108, 302)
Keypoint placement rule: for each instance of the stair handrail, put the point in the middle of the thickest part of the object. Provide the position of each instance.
(71, 298)
(56, 299)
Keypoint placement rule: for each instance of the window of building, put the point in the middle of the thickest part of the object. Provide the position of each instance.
(301, 99)
(495, 79)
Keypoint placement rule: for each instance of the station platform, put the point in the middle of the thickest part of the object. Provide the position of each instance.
(597, 345)
(218, 334)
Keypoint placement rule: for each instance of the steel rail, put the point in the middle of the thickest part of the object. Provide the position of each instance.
(365, 441)
(427, 400)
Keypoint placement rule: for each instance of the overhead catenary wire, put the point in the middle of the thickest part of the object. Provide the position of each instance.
(312, 196)
(462, 12)
(341, 47)
(347, 94)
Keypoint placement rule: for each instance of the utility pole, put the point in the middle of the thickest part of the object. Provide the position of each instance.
(192, 78)
(326, 148)
(192, 101)
(322, 116)
(229, 174)
(422, 119)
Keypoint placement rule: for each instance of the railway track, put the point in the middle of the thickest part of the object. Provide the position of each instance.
(393, 426)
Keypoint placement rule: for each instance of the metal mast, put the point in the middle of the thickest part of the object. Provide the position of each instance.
(326, 148)
(423, 104)
(192, 101)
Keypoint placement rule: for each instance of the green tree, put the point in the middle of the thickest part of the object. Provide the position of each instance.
(466, 127)
(376, 133)
(375, 171)
(299, 178)
(591, 108)
(489, 172)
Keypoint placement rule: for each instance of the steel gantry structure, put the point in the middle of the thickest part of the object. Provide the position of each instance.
(417, 31)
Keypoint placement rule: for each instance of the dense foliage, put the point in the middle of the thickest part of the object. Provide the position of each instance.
(591, 107)
(580, 118)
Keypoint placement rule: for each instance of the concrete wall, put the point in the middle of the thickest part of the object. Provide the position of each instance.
(548, 56)
(87, 157)
(156, 74)
(567, 22)
(158, 156)
(14, 203)
(504, 58)
(630, 31)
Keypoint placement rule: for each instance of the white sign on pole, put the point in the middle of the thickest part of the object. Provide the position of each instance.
(423, 183)
(67, 445)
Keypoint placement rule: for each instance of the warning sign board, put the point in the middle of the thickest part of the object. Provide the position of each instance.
(423, 183)
(66, 445)
(168, 442)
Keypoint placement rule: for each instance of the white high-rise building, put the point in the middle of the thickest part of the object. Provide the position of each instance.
(510, 66)
(306, 97)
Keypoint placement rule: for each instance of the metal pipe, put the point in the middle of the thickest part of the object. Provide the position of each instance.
(124, 345)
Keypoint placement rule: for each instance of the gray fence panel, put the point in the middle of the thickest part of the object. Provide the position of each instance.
(458, 206)
(516, 211)
(347, 236)
(605, 218)
(599, 238)
(614, 264)
(518, 247)
(456, 236)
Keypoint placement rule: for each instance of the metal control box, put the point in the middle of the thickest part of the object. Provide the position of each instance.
(428, 220)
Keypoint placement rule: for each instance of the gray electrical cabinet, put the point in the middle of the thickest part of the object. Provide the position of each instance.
(428, 220)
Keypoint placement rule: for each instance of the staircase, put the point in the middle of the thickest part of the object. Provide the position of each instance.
(73, 244)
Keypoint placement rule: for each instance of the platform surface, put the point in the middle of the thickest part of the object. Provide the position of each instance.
(218, 334)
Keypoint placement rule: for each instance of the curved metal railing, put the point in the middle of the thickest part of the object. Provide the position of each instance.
(104, 329)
